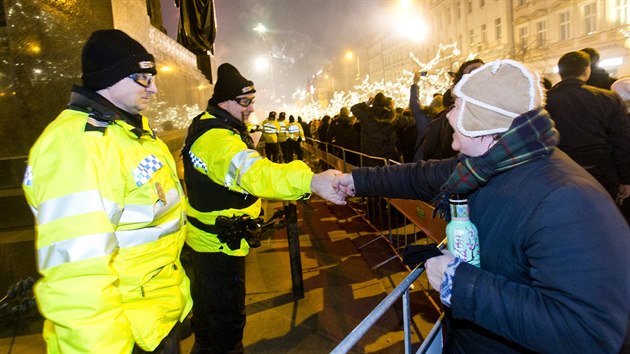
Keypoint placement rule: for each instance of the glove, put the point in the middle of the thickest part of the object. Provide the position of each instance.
(417, 254)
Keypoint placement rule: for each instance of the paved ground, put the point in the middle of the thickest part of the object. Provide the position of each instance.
(340, 290)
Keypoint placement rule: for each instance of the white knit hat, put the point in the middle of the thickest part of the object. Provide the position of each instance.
(494, 94)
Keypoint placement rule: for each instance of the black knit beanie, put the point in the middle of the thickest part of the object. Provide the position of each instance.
(230, 84)
(111, 55)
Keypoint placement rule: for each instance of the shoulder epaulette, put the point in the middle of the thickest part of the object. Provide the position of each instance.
(94, 124)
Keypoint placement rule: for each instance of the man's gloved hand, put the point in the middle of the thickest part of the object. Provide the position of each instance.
(416, 254)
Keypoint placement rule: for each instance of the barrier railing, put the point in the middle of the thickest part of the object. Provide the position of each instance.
(393, 226)
(415, 215)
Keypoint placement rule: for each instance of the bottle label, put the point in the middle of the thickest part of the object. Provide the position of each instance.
(461, 233)
(463, 242)
(459, 211)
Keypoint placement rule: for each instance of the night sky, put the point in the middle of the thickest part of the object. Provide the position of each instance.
(303, 36)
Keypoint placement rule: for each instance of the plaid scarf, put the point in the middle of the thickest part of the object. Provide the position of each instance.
(530, 136)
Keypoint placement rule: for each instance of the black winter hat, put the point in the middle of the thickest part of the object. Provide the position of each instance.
(111, 55)
(230, 84)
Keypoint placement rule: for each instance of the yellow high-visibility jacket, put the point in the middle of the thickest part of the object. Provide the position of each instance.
(295, 131)
(110, 227)
(222, 156)
(270, 128)
(282, 133)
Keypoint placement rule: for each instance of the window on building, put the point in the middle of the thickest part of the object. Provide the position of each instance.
(469, 6)
(497, 29)
(521, 2)
(541, 33)
(565, 26)
(484, 34)
(622, 12)
(460, 41)
(482, 3)
(590, 18)
(471, 37)
(448, 15)
(458, 13)
(522, 37)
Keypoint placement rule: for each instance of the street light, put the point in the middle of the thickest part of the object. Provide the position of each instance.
(260, 28)
(408, 21)
(350, 56)
(349, 61)
(262, 64)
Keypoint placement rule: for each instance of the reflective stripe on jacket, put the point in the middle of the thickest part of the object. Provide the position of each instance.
(282, 133)
(270, 131)
(109, 210)
(226, 160)
(295, 131)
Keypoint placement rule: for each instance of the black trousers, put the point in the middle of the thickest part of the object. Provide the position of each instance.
(272, 151)
(284, 146)
(218, 291)
(295, 148)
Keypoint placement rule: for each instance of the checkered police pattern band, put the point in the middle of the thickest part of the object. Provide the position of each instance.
(197, 162)
(28, 176)
(142, 174)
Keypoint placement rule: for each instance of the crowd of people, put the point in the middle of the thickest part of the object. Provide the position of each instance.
(549, 232)
(542, 178)
(591, 118)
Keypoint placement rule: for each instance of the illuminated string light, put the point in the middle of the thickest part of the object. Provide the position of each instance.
(437, 79)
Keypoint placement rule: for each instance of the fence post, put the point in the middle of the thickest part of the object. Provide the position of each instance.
(294, 250)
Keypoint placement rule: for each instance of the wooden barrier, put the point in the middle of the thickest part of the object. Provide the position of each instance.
(420, 213)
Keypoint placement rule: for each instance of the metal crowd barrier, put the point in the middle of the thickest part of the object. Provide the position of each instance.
(432, 343)
(399, 221)
(378, 212)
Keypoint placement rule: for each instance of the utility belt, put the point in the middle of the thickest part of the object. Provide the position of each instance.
(231, 230)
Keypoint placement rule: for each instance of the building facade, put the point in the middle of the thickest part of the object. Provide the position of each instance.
(537, 32)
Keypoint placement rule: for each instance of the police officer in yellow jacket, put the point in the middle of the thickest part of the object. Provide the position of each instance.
(109, 210)
(270, 129)
(225, 177)
(295, 137)
(283, 135)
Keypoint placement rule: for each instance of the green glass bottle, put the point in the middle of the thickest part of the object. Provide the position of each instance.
(461, 234)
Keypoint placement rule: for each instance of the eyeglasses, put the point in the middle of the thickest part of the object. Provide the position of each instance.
(244, 101)
(143, 79)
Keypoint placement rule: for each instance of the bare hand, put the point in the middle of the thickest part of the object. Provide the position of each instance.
(322, 185)
(344, 184)
(435, 268)
(623, 193)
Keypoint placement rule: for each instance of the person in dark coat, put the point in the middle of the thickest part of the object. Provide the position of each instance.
(378, 133)
(305, 126)
(436, 141)
(554, 274)
(593, 124)
(599, 77)
(345, 133)
(407, 135)
(622, 88)
(421, 118)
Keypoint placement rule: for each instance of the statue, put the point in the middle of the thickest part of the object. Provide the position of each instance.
(197, 25)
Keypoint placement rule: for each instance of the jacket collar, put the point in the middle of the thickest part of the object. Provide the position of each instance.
(570, 81)
(98, 107)
(226, 117)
